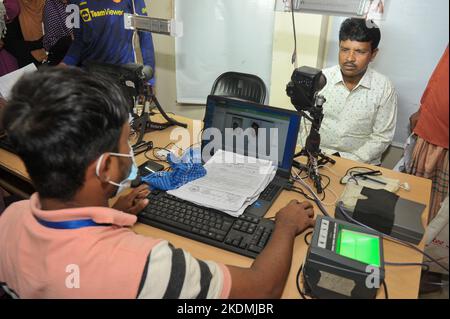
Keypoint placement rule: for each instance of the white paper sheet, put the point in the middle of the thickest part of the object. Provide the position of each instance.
(7, 81)
(232, 183)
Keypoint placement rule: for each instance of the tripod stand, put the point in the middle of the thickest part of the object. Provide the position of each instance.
(311, 150)
(142, 122)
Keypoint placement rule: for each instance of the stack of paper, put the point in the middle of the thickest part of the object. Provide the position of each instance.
(7, 81)
(232, 183)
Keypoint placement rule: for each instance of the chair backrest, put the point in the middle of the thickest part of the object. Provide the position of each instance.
(240, 85)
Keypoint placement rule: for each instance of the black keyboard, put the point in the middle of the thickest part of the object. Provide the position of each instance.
(270, 192)
(6, 144)
(246, 235)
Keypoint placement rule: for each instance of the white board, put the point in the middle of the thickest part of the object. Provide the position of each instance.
(221, 36)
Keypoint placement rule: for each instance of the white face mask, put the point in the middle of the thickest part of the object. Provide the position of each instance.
(126, 183)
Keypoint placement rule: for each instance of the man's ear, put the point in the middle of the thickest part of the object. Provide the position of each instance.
(103, 172)
(374, 54)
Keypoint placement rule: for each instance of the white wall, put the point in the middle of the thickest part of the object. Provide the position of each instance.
(414, 37)
(311, 39)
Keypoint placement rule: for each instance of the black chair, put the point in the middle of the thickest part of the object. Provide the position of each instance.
(240, 85)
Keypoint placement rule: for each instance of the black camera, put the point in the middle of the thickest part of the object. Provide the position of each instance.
(304, 88)
(306, 83)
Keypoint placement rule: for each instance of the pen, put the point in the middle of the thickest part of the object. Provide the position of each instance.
(367, 173)
(373, 180)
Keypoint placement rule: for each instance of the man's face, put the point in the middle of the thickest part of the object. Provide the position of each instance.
(355, 57)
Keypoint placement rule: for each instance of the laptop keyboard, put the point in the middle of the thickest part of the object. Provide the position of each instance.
(270, 192)
(246, 235)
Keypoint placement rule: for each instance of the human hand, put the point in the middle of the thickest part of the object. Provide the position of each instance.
(296, 216)
(134, 202)
(413, 120)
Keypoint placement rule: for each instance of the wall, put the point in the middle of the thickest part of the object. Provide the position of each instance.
(311, 35)
(165, 65)
(311, 39)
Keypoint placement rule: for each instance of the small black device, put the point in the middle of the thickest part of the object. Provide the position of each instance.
(246, 235)
(343, 261)
(304, 88)
(150, 167)
(142, 147)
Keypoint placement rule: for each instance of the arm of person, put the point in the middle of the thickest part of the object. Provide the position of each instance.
(413, 120)
(383, 131)
(267, 276)
(173, 273)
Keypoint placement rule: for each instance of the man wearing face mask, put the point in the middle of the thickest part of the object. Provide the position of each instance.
(71, 130)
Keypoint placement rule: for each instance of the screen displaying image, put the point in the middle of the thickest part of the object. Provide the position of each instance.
(359, 246)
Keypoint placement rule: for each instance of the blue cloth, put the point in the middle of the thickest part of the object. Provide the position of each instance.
(102, 37)
(184, 170)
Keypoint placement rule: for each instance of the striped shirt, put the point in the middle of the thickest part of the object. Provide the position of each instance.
(112, 261)
(172, 273)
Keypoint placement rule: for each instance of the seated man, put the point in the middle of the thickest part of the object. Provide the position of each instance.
(71, 130)
(360, 114)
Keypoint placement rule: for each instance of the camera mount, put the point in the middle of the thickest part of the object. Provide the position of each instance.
(304, 88)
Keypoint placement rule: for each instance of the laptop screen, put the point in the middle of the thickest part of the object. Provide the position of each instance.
(251, 129)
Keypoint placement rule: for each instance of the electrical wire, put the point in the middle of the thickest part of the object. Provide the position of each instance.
(316, 198)
(306, 238)
(386, 294)
(297, 282)
(427, 267)
(294, 55)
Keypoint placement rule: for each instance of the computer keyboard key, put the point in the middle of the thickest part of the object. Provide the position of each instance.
(243, 245)
(217, 231)
(226, 226)
(255, 249)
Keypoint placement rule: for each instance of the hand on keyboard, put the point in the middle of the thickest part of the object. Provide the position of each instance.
(134, 202)
(297, 216)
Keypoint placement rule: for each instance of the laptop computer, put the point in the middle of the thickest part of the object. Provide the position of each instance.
(254, 130)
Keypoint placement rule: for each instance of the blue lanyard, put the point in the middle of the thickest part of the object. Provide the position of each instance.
(70, 224)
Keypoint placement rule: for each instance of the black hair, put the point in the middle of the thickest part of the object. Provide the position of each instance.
(60, 120)
(355, 29)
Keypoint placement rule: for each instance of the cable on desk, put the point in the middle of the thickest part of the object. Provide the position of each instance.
(427, 267)
(386, 294)
(390, 238)
(297, 282)
(306, 238)
(317, 200)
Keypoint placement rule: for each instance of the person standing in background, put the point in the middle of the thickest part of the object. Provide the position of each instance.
(9, 9)
(24, 37)
(57, 36)
(102, 36)
(430, 125)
